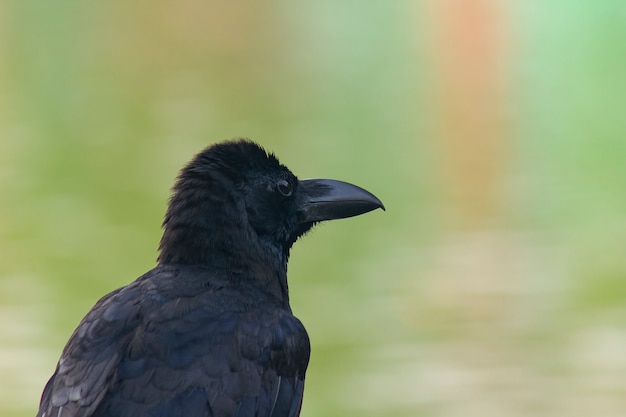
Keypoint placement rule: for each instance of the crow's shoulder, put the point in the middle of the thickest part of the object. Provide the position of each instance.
(171, 337)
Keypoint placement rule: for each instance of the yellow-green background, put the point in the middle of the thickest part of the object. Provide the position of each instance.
(101, 102)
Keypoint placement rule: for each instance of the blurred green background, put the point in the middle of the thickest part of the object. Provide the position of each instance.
(494, 132)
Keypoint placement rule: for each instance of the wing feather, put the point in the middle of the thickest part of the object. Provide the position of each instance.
(142, 351)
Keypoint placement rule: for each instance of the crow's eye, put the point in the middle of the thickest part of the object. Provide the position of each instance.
(284, 187)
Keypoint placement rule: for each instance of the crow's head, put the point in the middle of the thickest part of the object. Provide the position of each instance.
(234, 203)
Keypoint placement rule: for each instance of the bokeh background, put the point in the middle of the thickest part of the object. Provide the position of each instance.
(494, 132)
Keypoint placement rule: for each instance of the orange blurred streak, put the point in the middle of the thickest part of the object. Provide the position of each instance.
(468, 44)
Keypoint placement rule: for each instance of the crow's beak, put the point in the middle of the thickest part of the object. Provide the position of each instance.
(330, 199)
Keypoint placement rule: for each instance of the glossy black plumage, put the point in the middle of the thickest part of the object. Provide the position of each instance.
(209, 331)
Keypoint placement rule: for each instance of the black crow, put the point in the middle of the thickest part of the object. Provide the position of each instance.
(209, 331)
